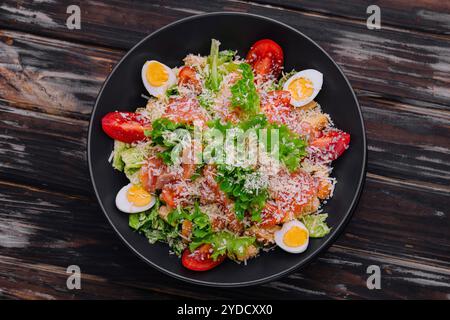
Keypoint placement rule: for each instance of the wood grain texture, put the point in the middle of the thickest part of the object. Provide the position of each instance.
(392, 62)
(60, 77)
(421, 15)
(83, 237)
(49, 218)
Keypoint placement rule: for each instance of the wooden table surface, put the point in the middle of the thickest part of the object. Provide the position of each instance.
(49, 217)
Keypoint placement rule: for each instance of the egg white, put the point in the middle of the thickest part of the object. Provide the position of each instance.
(314, 76)
(280, 234)
(124, 205)
(161, 90)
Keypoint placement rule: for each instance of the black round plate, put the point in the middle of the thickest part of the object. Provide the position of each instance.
(238, 31)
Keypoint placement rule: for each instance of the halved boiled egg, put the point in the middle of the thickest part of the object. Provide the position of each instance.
(304, 86)
(157, 78)
(292, 237)
(133, 198)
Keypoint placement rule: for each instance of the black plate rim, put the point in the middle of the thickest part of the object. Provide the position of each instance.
(331, 239)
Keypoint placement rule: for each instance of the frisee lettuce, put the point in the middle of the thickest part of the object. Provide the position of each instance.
(232, 181)
(244, 93)
(172, 91)
(201, 226)
(292, 148)
(160, 133)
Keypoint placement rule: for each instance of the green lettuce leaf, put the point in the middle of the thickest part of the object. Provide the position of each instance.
(316, 225)
(220, 63)
(224, 242)
(156, 229)
(214, 77)
(119, 147)
(133, 158)
(244, 93)
(160, 135)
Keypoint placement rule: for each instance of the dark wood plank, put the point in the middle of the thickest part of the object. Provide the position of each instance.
(405, 221)
(48, 282)
(423, 15)
(60, 77)
(407, 142)
(33, 262)
(390, 61)
(44, 150)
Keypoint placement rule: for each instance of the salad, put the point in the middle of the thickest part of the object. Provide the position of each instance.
(229, 157)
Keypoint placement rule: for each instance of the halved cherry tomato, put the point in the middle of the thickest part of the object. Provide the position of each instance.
(125, 126)
(331, 145)
(188, 76)
(266, 58)
(200, 259)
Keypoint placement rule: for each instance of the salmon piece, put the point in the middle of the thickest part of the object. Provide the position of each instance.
(291, 193)
(186, 110)
(151, 172)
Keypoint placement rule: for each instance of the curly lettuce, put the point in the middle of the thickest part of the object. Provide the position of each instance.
(161, 135)
(232, 180)
(244, 93)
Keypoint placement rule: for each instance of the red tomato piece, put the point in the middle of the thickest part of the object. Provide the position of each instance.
(200, 259)
(266, 58)
(188, 76)
(330, 146)
(125, 126)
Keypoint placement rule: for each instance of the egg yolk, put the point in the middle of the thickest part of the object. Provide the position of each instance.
(295, 237)
(156, 74)
(301, 88)
(138, 196)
